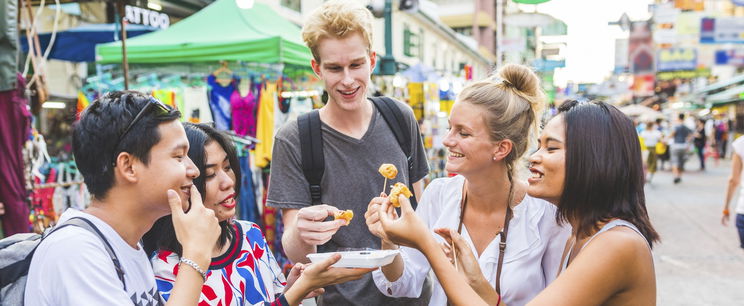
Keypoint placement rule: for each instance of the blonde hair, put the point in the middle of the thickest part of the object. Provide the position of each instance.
(514, 103)
(337, 19)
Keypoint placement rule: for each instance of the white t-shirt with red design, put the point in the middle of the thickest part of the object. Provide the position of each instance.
(246, 274)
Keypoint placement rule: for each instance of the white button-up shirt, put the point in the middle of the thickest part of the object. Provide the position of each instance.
(531, 261)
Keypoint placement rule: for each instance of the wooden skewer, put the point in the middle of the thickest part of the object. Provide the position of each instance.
(384, 185)
(454, 253)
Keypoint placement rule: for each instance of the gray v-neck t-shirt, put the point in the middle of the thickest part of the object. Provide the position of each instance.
(350, 181)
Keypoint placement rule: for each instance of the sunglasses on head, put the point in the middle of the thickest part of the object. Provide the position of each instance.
(153, 105)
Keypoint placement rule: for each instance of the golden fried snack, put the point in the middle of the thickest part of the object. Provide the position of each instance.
(388, 171)
(346, 215)
(398, 189)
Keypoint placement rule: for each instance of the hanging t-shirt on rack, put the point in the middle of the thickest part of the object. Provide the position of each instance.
(219, 100)
(196, 104)
(299, 106)
(243, 113)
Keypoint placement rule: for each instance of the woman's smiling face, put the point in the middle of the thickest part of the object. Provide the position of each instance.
(220, 182)
(548, 163)
(468, 140)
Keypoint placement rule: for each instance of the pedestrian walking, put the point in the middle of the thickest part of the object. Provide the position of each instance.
(700, 141)
(721, 135)
(681, 137)
(651, 138)
(733, 184)
(662, 147)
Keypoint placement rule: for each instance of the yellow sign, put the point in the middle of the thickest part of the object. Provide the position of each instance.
(679, 54)
(416, 99)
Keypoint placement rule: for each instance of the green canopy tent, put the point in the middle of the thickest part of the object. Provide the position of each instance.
(221, 31)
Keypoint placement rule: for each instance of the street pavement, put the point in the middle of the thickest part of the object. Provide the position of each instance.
(698, 261)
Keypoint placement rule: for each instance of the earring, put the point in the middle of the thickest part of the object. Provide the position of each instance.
(494, 158)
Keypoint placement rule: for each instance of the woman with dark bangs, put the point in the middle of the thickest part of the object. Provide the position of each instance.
(243, 270)
(588, 164)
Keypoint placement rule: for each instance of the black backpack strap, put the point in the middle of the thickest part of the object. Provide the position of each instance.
(397, 123)
(311, 148)
(395, 120)
(88, 225)
(20, 268)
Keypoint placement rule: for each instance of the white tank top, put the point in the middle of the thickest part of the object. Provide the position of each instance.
(606, 227)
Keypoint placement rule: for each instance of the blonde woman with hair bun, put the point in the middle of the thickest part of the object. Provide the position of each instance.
(514, 241)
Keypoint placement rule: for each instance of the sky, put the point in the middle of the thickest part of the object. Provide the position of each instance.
(590, 52)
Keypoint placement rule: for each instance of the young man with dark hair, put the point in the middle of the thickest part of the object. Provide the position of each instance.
(132, 152)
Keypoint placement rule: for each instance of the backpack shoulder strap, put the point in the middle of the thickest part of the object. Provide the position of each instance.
(20, 268)
(396, 121)
(311, 149)
(89, 226)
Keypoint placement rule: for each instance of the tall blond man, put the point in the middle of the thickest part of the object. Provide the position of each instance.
(356, 141)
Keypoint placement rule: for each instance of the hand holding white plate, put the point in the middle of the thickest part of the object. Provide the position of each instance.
(358, 259)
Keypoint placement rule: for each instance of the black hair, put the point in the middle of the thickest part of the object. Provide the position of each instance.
(95, 135)
(604, 170)
(162, 235)
(681, 116)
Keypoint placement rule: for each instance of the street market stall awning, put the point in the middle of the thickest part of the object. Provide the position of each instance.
(721, 84)
(221, 31)
(79, 44)
(727, 96)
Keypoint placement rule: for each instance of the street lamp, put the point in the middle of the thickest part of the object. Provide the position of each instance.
(387, 62)
(384, 9)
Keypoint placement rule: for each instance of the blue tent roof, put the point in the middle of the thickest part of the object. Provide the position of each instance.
(79, 44)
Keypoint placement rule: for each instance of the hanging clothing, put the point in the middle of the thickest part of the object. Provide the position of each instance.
(269, 216)
(82, 102)
(265, 125)
(299, 106)
(179, 102)
(247, 200)
(243, 113)
(281, 112)
(15, 122)
(42, 199)
(166, 96)
(219, 100)
(196, 105)
(8, 44)
(257, 175)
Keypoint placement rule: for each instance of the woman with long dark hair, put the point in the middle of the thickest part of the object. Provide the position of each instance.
(588, 163)
(243, 270)
(492, 125)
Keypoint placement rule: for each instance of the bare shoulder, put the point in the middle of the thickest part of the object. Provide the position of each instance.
(621, 242)
(615, 268)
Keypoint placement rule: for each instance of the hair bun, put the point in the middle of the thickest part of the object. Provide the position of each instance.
(525, 82)
(521, 78)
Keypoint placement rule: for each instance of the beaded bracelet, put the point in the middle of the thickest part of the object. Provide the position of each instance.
(192, 264)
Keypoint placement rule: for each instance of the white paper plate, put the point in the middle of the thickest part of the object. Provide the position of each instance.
(358, 259)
